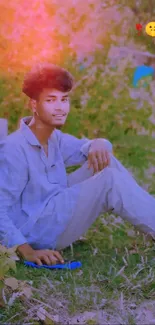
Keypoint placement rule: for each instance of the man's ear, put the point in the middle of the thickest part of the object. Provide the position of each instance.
(32, 104)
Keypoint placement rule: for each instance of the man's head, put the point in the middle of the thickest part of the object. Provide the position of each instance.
(48, 86)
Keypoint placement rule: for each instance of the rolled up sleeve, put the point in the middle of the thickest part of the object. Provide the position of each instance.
(13, 178)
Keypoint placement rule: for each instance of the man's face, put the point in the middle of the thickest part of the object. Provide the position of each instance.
(53, 107)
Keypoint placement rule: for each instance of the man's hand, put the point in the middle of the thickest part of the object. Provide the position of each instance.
(98, 157)
(43, 256)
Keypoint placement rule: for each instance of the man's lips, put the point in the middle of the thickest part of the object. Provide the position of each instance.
(59, 115)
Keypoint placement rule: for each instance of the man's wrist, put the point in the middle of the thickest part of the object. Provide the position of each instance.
(85, 148)
(24, 249)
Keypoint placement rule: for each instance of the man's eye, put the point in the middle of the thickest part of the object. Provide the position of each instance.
(51, 100)
(65, 100)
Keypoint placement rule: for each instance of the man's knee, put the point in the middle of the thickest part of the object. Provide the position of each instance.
(109, 176)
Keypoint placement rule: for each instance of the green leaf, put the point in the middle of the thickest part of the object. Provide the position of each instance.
(2, 302)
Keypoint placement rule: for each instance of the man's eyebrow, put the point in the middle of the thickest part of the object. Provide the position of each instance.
(51, 96)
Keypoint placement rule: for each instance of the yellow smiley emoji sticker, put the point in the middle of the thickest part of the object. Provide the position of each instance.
(150, 29)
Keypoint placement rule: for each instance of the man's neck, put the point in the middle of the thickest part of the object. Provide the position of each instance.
(41, 131)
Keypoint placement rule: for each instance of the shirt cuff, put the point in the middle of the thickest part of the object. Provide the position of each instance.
(108, 145)
(14, 239)
(85, 148)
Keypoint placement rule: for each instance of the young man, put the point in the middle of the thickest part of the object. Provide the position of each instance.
(41, 207)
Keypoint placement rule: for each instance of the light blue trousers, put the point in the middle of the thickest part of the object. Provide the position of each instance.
(112, 189)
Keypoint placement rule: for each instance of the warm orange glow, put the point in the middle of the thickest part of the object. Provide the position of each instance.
(39, 30)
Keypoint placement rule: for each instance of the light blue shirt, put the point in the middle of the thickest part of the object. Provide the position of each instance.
(29, 180)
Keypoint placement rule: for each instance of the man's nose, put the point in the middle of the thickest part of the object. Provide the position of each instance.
(59, 106)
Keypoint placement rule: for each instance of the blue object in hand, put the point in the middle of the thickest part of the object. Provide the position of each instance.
(69, 265)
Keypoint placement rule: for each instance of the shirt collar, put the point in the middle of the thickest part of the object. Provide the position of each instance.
(28, 134)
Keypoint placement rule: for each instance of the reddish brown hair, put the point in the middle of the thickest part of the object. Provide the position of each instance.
(46, 75)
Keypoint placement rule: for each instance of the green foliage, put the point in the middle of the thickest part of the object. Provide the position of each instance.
(141, 6)
(7, 260)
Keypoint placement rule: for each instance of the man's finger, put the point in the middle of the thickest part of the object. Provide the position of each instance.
(100, 160)
(58, 256)
(46, 259)
(108, 157)
(38, 261)
(90, 166)
(90, 157)
(95, 164)
(89, 163)
(52, 258)
(104, 157)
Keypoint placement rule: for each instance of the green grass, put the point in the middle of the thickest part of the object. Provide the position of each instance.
(108, 248)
